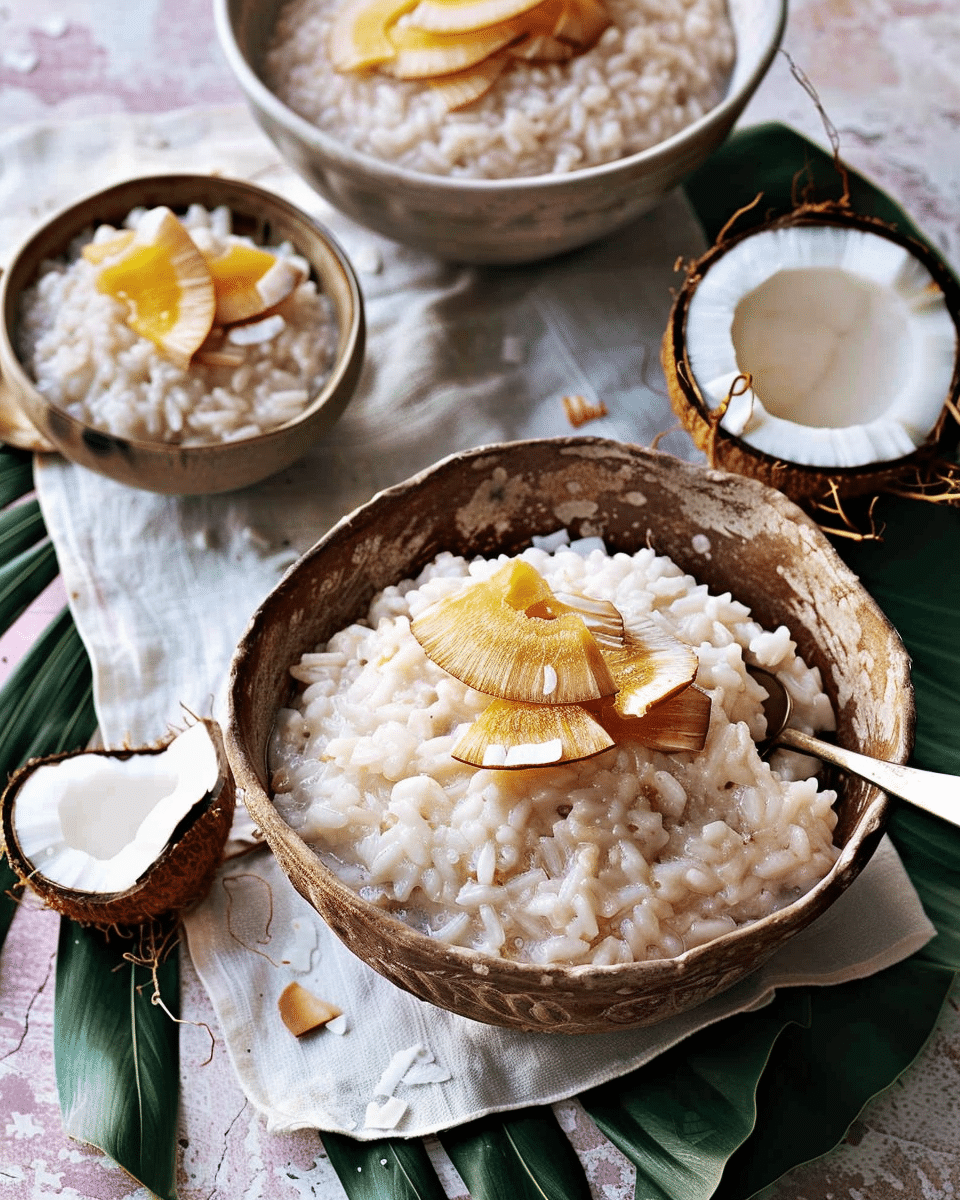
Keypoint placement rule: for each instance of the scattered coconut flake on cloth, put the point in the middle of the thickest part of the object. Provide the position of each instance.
(161, 589)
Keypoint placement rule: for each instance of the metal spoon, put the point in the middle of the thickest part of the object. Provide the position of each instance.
(929, 790)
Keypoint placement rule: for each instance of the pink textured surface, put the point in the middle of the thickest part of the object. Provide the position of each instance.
(888, 72)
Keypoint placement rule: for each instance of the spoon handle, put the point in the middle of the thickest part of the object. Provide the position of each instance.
(929, 790)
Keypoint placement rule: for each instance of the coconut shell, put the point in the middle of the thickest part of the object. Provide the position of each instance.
(181, 875)
(762, 548)
(807, 485)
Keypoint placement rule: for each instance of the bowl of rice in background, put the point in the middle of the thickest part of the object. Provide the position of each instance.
(554, 156)
(587, 896)
(115, 402)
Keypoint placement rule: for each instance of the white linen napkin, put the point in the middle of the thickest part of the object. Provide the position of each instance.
(162, 587)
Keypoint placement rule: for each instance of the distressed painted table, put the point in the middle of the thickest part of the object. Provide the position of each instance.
(888, 74)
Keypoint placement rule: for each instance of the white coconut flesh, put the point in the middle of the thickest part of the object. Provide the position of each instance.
(845, 334)
(96, 823)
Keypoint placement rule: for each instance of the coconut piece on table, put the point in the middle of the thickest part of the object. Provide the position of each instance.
(302, 1011)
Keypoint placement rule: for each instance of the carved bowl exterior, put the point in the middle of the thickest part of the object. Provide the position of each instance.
(160, 466)
(491, 220)
(762, 549)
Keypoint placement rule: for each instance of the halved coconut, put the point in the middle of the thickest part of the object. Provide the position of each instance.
(118, 837)
(163, 278)
(819, 353)
(511, 736)
(484, 637)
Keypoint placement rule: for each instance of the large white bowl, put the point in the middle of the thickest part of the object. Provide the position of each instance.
(492, 220)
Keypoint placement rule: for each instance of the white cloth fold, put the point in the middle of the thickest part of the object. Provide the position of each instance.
(162, 587)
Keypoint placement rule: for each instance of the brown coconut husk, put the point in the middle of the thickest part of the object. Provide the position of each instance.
(927, 473)
(180, 876)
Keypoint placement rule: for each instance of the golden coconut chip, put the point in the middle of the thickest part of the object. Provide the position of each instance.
(510, 736)
(680, 722)
(358, 37)
(601, 617)
(465, 16)
(425, 55)
(540, 47)
(98, 252)
(465, 87)
(484, 637)
(249, 281)
(163, 279)
(650, 667)
(581, 22)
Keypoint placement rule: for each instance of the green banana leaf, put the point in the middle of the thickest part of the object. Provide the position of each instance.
(389, 1169)
(20, 526)
(16, 475)
(522, 1155)
(858, 1040)
(679, 1118)
(117, 1055)
(23, 578)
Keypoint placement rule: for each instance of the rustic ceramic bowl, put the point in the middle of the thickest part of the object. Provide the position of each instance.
(761, 548)
(158, 466)
(499, 220)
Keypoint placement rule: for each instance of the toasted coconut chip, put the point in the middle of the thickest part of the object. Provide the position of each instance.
(164, 280)
(358, 36)
(510, 736)
(650, 666)
(248, 282)
(425, 55)
(459, 90)
(581, 22)
(483, 637)
(457, 16)
(601, 617)
(301, 1010)
(98, 252)
(215, 352)
(678, 723)
(540, 47)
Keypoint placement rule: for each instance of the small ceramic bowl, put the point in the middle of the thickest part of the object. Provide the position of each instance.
(160, 466)
(492, 220)
(762, 549)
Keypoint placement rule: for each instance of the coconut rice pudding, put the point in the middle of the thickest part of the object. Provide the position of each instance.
(232, 341)
(628, 855)
(656, 67)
